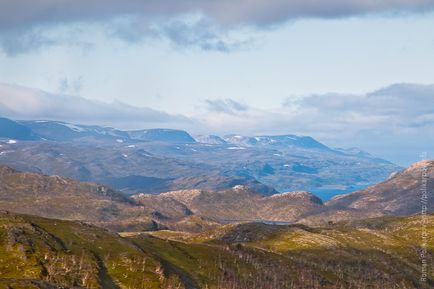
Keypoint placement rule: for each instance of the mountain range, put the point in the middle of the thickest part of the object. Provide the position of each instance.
(161, 160)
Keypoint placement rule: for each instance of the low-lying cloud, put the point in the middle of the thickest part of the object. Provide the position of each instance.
(24, 103)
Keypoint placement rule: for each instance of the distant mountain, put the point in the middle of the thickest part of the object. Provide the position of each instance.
(359, 153)
(159, 160)
(242, 204)
(210, 139)
(276, 141)
(61, 131)
(353, 151)
(400, 195)
(162, 135)
(13, 130)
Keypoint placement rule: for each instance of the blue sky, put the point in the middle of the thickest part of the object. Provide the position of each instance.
(249, 67)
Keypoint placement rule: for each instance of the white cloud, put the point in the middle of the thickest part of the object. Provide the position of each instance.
(25, 103)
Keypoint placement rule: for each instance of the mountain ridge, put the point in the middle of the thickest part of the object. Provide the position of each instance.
(166, 160)
(398, 195)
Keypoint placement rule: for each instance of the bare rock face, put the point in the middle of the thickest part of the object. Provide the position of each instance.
(241, 204)
(402, 194)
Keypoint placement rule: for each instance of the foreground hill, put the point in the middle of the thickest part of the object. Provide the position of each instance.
(404, 193)
(377, 253)
(241, 204)
(45, 253)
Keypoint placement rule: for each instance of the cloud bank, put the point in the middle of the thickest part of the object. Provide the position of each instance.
(25, 103)
(23, 23)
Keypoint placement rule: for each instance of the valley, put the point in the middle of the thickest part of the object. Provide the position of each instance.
(94, 207)
(161, 160)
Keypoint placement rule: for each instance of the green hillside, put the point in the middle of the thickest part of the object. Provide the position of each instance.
(72, 255)
(376, 253)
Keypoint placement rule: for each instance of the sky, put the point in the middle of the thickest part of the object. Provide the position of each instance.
(350, 73)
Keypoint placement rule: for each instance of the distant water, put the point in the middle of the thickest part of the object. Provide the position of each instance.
(327, 194)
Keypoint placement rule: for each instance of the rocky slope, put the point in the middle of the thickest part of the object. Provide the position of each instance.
(404, 193)
(63, 198)
(241, 204)
(198, 210)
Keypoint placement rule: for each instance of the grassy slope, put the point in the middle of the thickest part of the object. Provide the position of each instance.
(72, 254)
(376, 253)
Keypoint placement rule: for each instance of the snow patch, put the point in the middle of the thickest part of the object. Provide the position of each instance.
(292, 137)
(11, 141)
(74, 127)
(236, 148)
